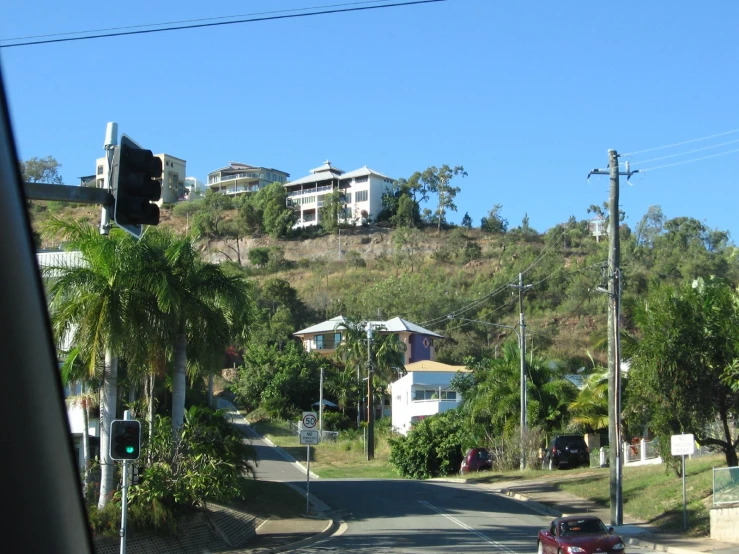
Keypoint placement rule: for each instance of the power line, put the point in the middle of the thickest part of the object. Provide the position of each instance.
(687, 152)
(681, 143)
(192, 20)
(689, 161)
(221, 23)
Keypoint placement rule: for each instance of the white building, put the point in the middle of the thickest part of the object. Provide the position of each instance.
(425, 390)
(239, 178)
(362, 188)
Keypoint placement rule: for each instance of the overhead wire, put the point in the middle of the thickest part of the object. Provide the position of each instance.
(221, 23)
(681, 143)
(181, 21)
(689, 161)
(686, 153)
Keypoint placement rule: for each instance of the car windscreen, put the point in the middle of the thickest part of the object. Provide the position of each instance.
(582, 527)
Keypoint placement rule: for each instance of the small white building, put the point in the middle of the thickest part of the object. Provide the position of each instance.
(362, 189)
(425, 390)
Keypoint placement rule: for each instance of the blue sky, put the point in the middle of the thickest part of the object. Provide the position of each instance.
(528, 96)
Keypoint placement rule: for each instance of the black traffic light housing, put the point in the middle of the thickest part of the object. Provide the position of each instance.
(135, 185)
(125, 439)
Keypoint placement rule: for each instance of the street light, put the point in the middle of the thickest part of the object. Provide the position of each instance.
(521, 338)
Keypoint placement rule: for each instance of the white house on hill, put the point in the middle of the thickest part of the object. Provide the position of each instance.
(425, 390)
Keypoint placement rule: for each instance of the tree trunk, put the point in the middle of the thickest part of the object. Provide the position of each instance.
(178, 380)
(150, 415)
(210, 390)
(86, 441)
(107, 414)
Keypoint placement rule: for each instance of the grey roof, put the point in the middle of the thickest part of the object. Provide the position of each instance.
(364, 171)
(316, 178)
(326, 167)
(398, 324)
(323, 327)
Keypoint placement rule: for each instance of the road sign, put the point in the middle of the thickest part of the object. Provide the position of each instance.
(309, 437)
(682, 445)
(310, 420)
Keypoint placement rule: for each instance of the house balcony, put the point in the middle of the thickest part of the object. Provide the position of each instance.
(313, 190)
(418, 408)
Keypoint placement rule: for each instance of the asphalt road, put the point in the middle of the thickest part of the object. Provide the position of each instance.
(403, 516)
(427, 516)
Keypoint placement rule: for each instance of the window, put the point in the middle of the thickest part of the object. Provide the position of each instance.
(100, 170)
(434, 394)
(362, 196)
(328, 342)
(348, 197)
(362, 179)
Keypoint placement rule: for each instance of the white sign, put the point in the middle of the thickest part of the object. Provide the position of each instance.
(682, 445)
(310, 420)
(309, 437)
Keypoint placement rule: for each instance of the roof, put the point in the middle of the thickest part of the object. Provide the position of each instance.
(323, 327)
(327, 167)
(395, 325)
(238, 166)
(364, 171)
(428, 365)
(398, 324)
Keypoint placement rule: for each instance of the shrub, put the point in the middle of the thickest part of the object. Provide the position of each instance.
(354, 259)
(433, 447)
(336, 421)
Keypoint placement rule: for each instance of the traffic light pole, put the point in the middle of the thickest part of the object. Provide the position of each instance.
(124, 495)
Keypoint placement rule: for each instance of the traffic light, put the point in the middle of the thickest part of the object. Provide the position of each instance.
(125, 439)
(135, 185)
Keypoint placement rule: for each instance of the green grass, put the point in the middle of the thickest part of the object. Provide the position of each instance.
(332, 460)
(654, 495)
(270, 499)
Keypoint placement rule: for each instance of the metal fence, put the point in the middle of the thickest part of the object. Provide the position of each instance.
(725, 485)
(325, 435)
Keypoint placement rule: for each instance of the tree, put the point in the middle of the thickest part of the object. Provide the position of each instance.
(206, 306)
(438, 181)
(690, 337)
(494, 222)
(97, 305)
(332, 210)
(259, 256)
(407, 246)
(41, 170)
(590, 408)
(467, 221)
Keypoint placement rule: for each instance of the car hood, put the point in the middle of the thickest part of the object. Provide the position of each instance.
(593, 542)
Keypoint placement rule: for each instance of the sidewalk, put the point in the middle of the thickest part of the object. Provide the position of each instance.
(544, 498)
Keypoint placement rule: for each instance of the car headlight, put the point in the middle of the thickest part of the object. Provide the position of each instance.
(619, 546)
(575, 549)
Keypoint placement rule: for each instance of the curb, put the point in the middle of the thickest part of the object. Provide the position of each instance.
(332, 527)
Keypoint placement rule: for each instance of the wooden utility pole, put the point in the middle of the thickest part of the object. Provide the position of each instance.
(370, 398)
(615, 458)
(522, 351)
(614, 371)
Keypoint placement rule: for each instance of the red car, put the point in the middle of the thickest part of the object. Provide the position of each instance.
(579, 535)
(476, 459)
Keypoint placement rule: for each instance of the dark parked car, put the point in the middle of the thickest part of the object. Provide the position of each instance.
(581, 534)
(476, 459)
(567, 450)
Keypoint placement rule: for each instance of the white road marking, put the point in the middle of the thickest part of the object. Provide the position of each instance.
(467, 527)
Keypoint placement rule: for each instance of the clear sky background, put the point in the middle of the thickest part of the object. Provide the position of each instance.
(528, 96)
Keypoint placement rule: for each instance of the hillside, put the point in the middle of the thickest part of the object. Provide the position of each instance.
(425, 275)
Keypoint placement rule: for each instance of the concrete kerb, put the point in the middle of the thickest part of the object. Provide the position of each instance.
(333, 526)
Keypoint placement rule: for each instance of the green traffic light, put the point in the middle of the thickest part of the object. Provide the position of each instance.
(129, 450)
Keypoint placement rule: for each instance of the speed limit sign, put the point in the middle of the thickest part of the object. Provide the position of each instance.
(310, 420)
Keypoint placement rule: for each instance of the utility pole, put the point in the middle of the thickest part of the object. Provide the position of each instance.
(111, 141)
(615, 458)
(320, 407)
(522, 350)
(370, 399)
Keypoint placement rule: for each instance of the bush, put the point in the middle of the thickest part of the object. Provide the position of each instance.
(106, 521)
(183, 209)
(434, 447)
(336, 421)
(354, 259)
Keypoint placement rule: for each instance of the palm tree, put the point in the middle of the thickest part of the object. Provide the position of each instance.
(204, 305)
(590, 408)
(343, 385)
(388, 353)
(95, 305)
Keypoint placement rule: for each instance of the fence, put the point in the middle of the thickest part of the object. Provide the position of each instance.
(725, 485)
(637, 452)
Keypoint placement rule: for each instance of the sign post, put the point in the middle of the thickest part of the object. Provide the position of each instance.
(683, 445)
(308, 436)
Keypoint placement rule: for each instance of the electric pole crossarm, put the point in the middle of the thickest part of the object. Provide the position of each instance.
(67, 193)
